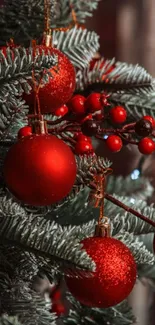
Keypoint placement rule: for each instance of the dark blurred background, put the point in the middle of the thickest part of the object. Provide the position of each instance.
(126, 29)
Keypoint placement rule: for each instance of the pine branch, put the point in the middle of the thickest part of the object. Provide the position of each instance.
(17, 262)
(139, 189)
(140, 252)
(136, 106)
(24, 21)
(119, 315)
(83, 9)
(128, 222)
(15, 72)
(18, 299)
(78, 44)
(123, 77)
(47, 240)
(8, 320)
(88, 167)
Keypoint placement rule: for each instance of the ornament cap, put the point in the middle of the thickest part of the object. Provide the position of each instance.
(103, 228)
(39, 125)
(47, 40)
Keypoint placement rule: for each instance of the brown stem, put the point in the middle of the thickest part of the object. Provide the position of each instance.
(59, 120)
(128, 209)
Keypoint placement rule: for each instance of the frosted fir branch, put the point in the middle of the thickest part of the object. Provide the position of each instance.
(139, 189)
(80, 45)
(23, 263)
(15, 72)
(123, 77)
(138, 249)
(24, 21)
(47, 239)
(74, 211)
(9, 320)
(18, 299)
(136, 106)
(128, 222)
(83, 9)
(88, 167)
(119, 315)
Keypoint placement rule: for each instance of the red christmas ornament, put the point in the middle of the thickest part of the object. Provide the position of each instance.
(56, 295)
(118, 114)
(83, 148)
(58, 308)
(150, 119)
(93, 103)
(40, 170)
(60, 87)
(25, 131)
(76, 105)
(114, 143)
(114, 277)
(61, 111)
(146, 146)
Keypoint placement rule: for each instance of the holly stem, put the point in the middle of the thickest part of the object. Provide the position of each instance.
(128, 209)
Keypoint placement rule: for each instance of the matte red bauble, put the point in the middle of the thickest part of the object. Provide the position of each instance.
(114, 277)
(40, 170)
(60, 87)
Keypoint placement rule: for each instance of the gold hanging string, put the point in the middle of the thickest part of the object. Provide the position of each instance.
(103, 227)
(47, 15)
(37, 120)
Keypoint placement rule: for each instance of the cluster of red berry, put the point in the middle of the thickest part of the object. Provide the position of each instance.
(88, 114)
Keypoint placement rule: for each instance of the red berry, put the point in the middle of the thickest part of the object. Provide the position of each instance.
(114, 143)
(82, 137)
(86, 118)
(83, 147)
(76, 105)
(89, 128)
(150, 119)
(25, 131)
(118, 115)
(146, 146)
(61, 111)
(93, 103)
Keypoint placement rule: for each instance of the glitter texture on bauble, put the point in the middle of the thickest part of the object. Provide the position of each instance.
(60, 87)
(113, 279)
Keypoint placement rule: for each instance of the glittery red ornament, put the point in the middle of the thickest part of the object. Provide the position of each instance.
(40, 170)
(60, 87)
(114, 277)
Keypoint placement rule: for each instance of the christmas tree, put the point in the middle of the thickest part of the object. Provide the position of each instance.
(60, 221)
